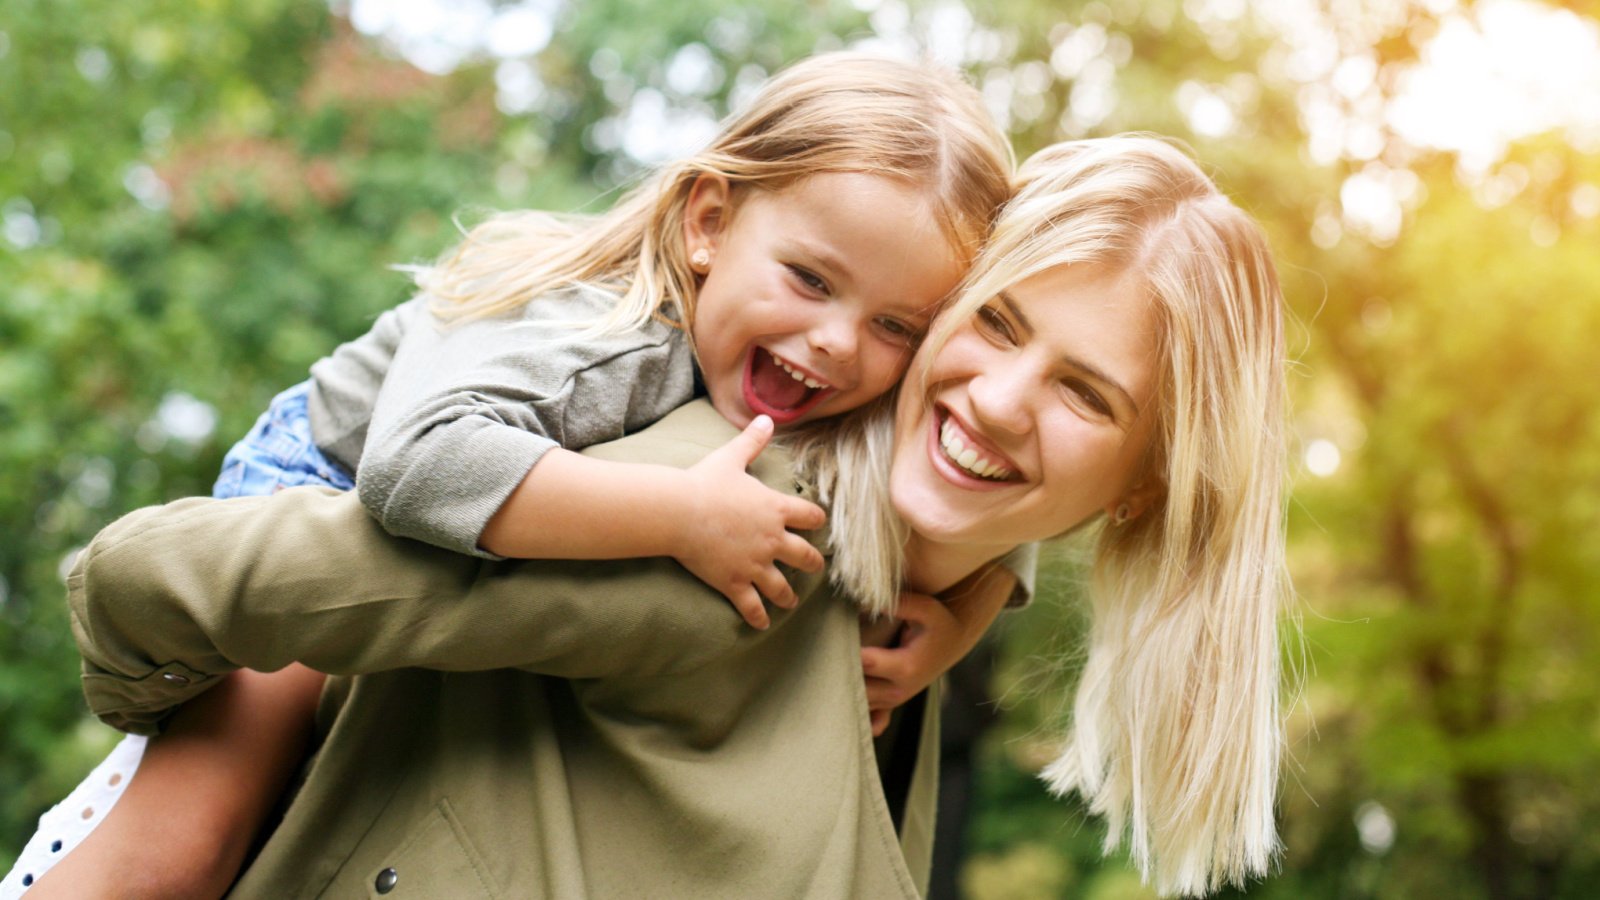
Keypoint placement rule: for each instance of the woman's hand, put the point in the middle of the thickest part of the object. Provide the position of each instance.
(739, 531)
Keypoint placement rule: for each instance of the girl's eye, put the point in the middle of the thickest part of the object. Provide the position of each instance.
(899, 331)
(993, 324)
(809, 279)
(1088, 396)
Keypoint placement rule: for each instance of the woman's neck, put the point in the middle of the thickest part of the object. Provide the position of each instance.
(933, 567)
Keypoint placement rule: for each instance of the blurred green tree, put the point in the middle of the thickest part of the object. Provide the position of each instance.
(197, 201)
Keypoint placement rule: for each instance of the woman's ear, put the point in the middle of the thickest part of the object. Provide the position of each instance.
(1134, 502)
(705, 216)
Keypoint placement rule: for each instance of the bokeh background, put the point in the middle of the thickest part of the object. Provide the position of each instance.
(200, 197)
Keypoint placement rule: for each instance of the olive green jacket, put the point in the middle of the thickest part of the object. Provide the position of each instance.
(514, 729)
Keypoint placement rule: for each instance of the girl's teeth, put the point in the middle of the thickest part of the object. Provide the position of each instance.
(796, 374)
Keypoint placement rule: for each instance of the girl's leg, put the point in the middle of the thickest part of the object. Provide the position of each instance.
(195, 804)
(70, 821)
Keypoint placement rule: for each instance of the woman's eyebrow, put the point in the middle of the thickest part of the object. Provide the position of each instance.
(1087, 368)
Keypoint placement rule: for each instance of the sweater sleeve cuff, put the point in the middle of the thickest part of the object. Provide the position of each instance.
(508, 455)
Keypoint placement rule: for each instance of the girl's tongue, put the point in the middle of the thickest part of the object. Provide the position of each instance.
(773, 386)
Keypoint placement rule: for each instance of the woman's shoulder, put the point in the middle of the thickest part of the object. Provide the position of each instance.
(680, 438)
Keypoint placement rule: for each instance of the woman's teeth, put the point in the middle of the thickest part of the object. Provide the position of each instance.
(796, 374)
(968, 457)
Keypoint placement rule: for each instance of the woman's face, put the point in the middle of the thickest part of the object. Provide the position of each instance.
(1037, 413)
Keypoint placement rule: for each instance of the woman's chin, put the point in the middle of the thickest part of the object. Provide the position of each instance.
(930, 516)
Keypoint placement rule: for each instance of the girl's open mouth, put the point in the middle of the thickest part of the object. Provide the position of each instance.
(775, 387)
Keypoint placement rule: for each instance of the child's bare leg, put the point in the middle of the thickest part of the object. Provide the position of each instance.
(199, 796)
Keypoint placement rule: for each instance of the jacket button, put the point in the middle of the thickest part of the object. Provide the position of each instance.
(175, 678)
(386, 880)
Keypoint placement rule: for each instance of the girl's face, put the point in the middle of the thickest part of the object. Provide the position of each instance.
(1037, 414)
(816, 294)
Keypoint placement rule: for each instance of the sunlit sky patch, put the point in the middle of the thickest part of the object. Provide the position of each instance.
(1487, 76)
(439, 35)
(1484, 78)
(1520, 69)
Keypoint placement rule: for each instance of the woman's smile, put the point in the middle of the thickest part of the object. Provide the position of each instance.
(967, 459)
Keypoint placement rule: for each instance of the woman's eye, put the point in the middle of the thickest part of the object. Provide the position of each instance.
(993, 324)
(1088, 396)
(809, 279)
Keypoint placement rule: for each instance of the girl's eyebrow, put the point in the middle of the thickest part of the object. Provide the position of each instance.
(821, 257)
(1087, 368)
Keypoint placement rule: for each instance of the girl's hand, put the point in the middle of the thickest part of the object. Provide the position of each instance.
(932, 636)
(739, 531)
(930, 641)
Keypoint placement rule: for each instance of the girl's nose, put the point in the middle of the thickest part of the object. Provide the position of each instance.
(835, 337)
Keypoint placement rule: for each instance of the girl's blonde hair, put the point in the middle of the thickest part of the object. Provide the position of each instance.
(835, 112)
(1176, 731)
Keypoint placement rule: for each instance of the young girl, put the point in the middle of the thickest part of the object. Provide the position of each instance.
(787, 271)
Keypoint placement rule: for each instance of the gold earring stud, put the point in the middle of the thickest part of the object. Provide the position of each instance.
(1123, 513)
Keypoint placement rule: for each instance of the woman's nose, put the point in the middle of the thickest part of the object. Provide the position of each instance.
(1001, 396)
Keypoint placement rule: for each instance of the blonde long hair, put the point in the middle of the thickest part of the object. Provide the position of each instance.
(1176, 731)
(835, 112)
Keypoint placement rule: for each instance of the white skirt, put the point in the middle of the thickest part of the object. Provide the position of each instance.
(67, 823)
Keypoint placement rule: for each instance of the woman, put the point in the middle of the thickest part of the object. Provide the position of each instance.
(1119, 347)
(1116, 355)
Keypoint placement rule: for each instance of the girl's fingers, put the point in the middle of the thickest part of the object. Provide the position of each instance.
(880, 721)
(750, 607)
(795, 551)
(750, 442)
(879, 693)
(771, 583)
(883, 662)
(802, 514)
(886, 695)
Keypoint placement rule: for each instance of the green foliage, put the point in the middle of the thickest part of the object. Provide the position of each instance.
(197, 200)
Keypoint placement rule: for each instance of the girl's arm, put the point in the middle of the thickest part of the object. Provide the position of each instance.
(466, 411)
(723, 525)
(229, 754)
(201, 587)
(934, 635)
(469, 439)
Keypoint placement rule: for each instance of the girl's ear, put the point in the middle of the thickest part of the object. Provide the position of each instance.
(706, 215)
